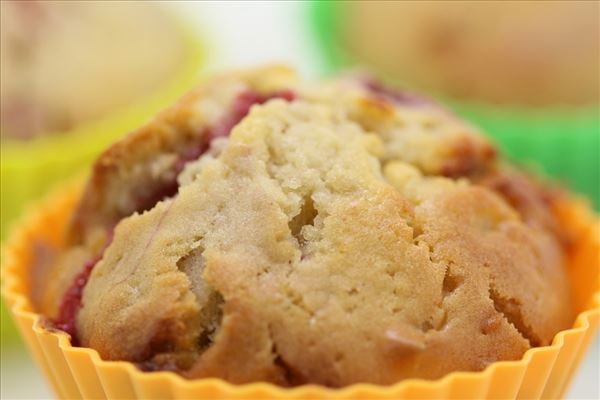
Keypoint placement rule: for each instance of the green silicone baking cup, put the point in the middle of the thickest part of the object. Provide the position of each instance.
(28, 169)
(560, 141)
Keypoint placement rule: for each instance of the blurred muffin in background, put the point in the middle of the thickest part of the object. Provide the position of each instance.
(75, 75)
(527, 52)
(67, 62)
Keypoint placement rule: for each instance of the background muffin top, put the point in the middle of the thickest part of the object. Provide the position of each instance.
(515, 52)
(67, 62)
(264, 229)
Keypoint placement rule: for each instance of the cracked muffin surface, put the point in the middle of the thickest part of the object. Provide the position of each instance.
(265, 229)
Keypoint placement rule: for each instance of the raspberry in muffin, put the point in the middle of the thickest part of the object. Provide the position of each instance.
(264, 229)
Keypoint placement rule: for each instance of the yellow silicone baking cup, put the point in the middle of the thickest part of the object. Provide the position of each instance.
(29, 168)
(75, 373)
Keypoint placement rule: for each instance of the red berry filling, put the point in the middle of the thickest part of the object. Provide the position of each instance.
(398, 96)
(71, 302)
(241, 108)
(222, 128)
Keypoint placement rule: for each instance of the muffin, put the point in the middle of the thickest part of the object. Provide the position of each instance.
(263, 229)
(64, 63)
(527, 52)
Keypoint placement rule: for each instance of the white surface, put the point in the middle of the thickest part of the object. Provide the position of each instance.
(243, 33)
(20, 377)
(247, 33)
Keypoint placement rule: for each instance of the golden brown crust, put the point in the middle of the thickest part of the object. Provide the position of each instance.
(125, 176)
(321, 244)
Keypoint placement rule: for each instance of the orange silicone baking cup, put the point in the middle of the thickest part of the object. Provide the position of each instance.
(74, 372)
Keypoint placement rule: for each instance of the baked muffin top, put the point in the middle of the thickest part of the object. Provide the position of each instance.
(512, 52)
(264, 229)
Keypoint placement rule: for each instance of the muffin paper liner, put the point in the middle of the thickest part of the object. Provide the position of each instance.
(564, 140)
(29, 168)
(75, 372)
